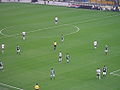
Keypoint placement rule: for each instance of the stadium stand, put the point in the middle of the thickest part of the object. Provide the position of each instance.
(109, 5)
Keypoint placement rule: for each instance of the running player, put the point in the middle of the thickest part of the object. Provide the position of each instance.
(3, 48)
(52, 73)
(104, 71)
(37, 87)
(55, 45)
(23, 35)
(1, 65)
(56, 19)
(60, 56)
(18, 49)
(62, 38)
(98, 72)
(67, 57)
(95, 44)
(106, 49)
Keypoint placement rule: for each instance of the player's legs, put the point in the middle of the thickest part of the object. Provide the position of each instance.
(62, 39)
(95, 46)
(60, 59)
(106, 52)
(23, 37)
(99, 77)
(104, 73)
(2, 50)
(54, 76)
(51, 76)
(56, 21)
(68, 60)
(55, 47)
(18, 51)
(1, 68)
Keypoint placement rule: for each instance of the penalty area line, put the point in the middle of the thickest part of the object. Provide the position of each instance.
(10, 86)
(113, 73)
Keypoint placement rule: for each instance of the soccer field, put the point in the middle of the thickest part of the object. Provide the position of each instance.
(80, 28)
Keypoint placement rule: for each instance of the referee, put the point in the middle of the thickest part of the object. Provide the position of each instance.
(37, 87)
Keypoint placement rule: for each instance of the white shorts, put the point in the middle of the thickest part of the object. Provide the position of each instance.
(3, 48)
(18, 50)
(52, 75)
(95, 45)
(67, 60)
(106, 51)
(60, 59)
(1, 68)
(104, 73)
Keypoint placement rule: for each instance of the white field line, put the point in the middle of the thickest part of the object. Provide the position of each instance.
(41, 30)
(6, 36)
(3, 84)
(78, 29)
(103, 17)
(113, 73)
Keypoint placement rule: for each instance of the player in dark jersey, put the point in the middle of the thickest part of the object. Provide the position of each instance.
(52, 73)
(18, 49)
(1, 65)
(104, 71)
(67, 57)
(62, 38)
(106, 49)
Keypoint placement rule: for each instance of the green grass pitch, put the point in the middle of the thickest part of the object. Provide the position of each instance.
(37, 56)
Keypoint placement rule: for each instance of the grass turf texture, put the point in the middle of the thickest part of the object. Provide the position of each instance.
(37, 55)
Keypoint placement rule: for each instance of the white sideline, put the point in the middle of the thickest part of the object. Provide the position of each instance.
(11, 86)
(113, 73)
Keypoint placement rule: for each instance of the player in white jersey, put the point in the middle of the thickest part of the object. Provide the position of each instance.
(62, 38)
(52, 73)
(23, 35)
(56, 20)
(95, 44)
(98, 73)
(1, 65)
(2, 47)
(60, 56)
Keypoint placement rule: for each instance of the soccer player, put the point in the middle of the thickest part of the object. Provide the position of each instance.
(23, 35)
(18, 49)
(104, 71)
(106, 49)
(67, 57)
(98, 72)
(60, 57)
(56, 19)
(55, 45)
(1, 65)
(37, 87)
(2, 47)
(62, 38)
(95, 44)
(52, 73)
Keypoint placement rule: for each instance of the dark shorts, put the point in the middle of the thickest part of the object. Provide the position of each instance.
(98, 74)
(56, 20)
(55, 45)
